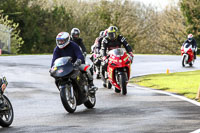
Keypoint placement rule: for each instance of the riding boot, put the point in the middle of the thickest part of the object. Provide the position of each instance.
(92, 88)
(91, 71)
(194, 55)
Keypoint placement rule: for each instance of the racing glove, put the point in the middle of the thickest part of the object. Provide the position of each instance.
(4, 84)
(78, 62)
(98, 55)
(131, 56)
(104, 58)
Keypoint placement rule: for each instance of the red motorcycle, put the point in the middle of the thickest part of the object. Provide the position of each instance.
(118, 70)
(187, 54)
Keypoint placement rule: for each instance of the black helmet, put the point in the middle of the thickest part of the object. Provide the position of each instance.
(101, 33)
(75, 32)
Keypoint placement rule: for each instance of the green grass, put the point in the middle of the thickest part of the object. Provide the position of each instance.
(183, 83)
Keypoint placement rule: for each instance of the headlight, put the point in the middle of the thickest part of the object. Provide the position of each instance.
(127, 62)
(113, 64)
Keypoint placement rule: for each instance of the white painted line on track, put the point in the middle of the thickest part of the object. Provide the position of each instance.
(170, 94)
(196, 131)
(167, 93)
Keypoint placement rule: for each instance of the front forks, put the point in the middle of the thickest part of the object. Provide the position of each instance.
(118, 73)
(69, 89)
(72, 92)
(186, 58)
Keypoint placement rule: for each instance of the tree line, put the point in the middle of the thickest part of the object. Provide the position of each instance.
(147, 30)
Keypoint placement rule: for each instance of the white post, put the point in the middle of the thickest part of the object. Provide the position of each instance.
(7, 30)
(9, 39)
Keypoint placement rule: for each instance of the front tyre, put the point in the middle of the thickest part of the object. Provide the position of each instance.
(90, 103)
(6, 114)
(117, 90)
(122, 82)
(68, 101)
(184, 60)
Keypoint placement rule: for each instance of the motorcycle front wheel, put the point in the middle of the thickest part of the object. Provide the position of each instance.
(68, 101)
(122, 82)
(6, 113)
(183, 60)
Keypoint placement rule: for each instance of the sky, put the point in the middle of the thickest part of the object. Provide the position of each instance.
(160, 4)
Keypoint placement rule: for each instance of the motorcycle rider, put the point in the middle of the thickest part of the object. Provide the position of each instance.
(190, 40)
(65, 47)
(99, 41)
(95, 57)
(113, 41)
(75, 32)
(95, 48)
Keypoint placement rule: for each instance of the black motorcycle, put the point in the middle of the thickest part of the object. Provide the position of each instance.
(6, 110)
(72, 84)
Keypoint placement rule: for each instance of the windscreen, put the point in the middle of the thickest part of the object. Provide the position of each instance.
(62, 61)
(118, 51)
(187, 45)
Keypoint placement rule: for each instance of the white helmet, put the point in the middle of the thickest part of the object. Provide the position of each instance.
(190, 37)
(62, 39)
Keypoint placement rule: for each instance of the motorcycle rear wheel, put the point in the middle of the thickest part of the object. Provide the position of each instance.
(122, 82)
(191, 63)
(183, 61)
(117, 90)
(68, 103)
(7, 115)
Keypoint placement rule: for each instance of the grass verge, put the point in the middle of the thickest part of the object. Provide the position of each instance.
(183, 83)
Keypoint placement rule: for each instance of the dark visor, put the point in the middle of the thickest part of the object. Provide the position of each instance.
(111, 35)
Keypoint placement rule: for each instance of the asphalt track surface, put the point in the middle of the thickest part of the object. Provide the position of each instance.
(38, 108)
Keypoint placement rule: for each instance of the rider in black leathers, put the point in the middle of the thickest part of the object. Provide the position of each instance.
(113, 41)
(75, 32)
